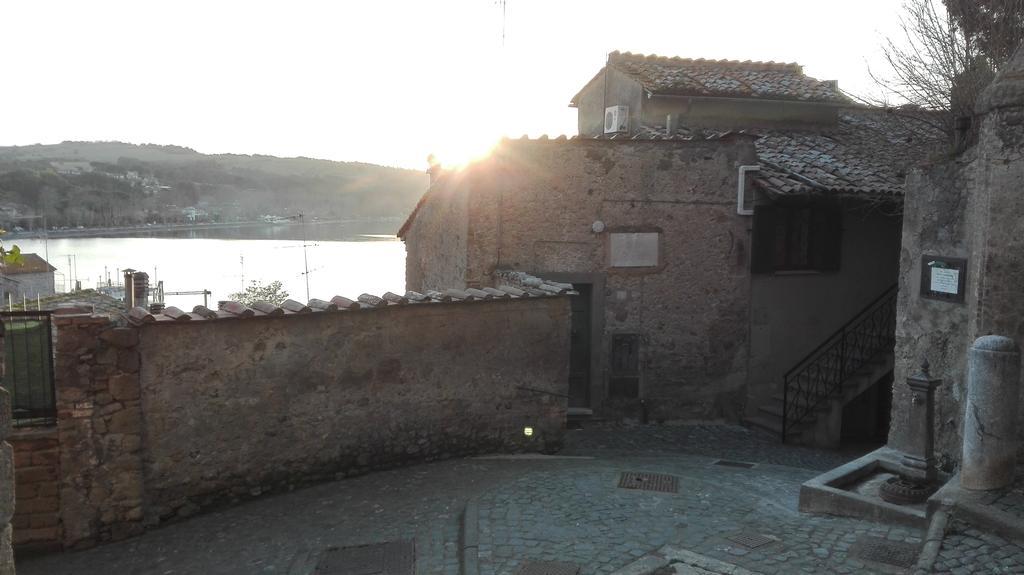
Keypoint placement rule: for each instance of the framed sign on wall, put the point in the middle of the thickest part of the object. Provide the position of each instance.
(943, 278)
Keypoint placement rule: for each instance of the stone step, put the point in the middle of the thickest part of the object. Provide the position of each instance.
(770, 424)
(774, 409)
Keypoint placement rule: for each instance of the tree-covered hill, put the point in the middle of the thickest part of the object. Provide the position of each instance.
(99, 184)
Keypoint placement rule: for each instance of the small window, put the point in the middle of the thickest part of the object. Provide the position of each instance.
(634, 250)
(796, 238)
(625, 366)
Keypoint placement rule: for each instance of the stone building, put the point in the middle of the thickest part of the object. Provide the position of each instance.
(720, 220)
(29, 278)
(963, 216)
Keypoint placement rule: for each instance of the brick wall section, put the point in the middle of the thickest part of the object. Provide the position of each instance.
(99, 424)
(6, 476)
(37, 478)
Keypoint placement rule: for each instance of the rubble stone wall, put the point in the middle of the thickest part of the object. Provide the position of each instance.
(7, 494)
(99, 425)
(241, 407)
(970, 207)
(533, 206)
(37, 486)
(436, 253)
(161, 421)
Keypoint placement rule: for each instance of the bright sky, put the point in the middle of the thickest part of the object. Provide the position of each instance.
(381, 81)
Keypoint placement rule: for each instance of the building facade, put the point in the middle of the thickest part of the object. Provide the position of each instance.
(720, 220)
(30, 278)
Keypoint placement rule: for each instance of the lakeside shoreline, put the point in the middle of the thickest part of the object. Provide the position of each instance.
(171, 228)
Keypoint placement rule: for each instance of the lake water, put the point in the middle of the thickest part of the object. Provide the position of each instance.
(343, 259)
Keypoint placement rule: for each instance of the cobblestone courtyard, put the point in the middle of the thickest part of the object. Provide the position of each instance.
(568, 508)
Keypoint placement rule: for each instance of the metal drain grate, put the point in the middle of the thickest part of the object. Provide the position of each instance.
(750, 540)
(730, 463)
(896, 553)
(391, 558)
(548, 568)
(649, 481)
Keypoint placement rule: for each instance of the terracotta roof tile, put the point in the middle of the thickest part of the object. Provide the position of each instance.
(869, 152)
(29, 264)
(725, 78)
(231, 310)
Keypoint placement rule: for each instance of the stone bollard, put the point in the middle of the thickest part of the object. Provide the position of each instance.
(990, 421)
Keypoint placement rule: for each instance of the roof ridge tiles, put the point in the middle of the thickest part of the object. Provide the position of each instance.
(679, 60)
(233, 310)
(344, 303)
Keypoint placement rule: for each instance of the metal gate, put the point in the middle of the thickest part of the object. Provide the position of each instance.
(28, 367)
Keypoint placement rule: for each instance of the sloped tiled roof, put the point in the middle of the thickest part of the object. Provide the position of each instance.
(867, 153)
(88, 299)
(29, 264)
(663, 75)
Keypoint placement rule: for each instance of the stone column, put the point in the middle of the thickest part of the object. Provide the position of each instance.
(990, 421)
(6, 474)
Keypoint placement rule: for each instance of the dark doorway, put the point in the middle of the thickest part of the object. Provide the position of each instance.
(866, 418)
(579, 354)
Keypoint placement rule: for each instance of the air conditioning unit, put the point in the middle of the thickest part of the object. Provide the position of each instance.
(616, 119)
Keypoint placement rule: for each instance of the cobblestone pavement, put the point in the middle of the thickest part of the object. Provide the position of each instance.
(1011, 499)
(567, 509)
(967, 550)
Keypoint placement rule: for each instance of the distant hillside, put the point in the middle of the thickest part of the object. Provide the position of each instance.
(99, 184)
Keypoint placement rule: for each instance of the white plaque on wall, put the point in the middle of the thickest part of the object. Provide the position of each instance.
(633, 250)
(945, 280)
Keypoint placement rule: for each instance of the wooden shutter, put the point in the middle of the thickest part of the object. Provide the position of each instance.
(827, 237)
(762, 254)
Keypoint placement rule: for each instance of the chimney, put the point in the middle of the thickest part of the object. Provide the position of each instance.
(141, 287)
(435, 168)
(129, 291)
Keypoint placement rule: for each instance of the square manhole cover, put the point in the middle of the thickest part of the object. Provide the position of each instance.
(547, 568)
(649, 481)
(730, 463)
(896, 553)
(750, 540)
(391, 558)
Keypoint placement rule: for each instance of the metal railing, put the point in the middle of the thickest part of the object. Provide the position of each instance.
(820, 374)
(28, 367)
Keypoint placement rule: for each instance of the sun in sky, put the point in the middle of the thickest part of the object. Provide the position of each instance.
(385, 82)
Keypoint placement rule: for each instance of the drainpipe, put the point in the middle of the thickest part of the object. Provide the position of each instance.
(741, 187)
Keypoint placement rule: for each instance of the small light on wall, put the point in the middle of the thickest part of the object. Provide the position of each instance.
(528, 431)
(597, 227)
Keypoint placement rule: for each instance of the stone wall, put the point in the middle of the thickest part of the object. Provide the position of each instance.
(161, 421)
(437, 256)
(37, 480)
(968, 207)
(935, 222)
(99, 429)
(532, 207)
(237, 408)
(7, 492)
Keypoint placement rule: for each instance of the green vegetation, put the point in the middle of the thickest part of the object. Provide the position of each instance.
(272, 292)
(102, 184)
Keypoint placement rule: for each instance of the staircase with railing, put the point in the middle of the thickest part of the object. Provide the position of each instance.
(846, 363)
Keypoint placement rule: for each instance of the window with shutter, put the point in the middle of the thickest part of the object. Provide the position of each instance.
(796, 238)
